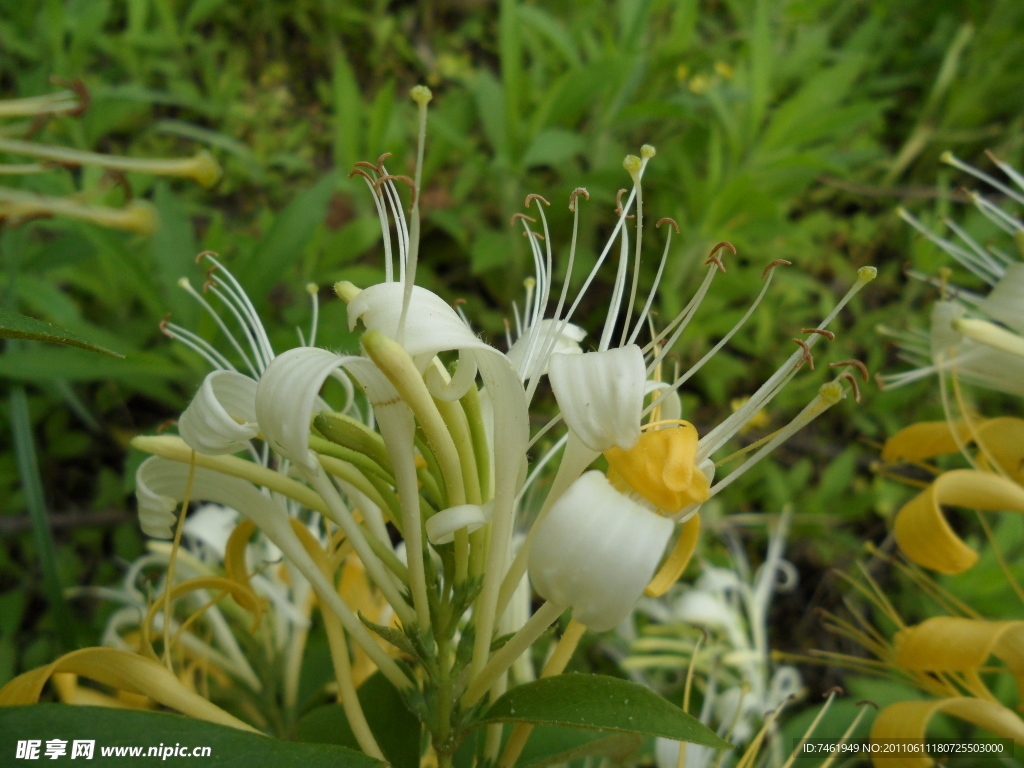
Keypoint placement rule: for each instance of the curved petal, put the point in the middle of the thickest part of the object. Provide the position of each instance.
(909, 720)
(924, 440)
(922, 531)
(286, 395)
(441, 527)
(671, 408)
(126, 671)
(596, 551)
(432, 325)
(567, 343)
(601, 395)
(1003, 440)
(1005, 302)
(955, 644)
(222, 416)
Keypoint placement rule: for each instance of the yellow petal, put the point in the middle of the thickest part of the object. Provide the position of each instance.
(676, 563)
(922, 531)
(923, 440)
(909, 720)
(954, 644)
(1003, 440)
(234, 552)
(661, 467)
(120, 669)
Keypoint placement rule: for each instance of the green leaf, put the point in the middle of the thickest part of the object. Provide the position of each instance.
(552, 146)
(551, 745)
(15, 326)
(395, 728)
(604, 703)
(134, 728)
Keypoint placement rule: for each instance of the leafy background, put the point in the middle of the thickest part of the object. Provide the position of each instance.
(791, 129)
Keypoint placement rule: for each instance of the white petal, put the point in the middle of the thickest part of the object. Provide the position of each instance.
(431, 325)
(211, 525)
(567, 343)
(596, 551)
(441, 527)
(287, 394)
(671, 407)
(210, 424)
(601, 395)
(1005, 302)
(984, 365)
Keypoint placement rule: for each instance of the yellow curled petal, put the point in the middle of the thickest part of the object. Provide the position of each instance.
(677, 561)
(924, 440)
(123, 670)
(922, 531)
(909, 720)
(1003, 440)
(234, 552)
(955, 644)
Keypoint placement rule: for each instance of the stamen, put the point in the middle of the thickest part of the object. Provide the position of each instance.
(422, 96)
(364, 164)
(576, 193)
(187, 287)
(821, 332)
(853, 383)
(680, 321)
(380, 163)
(1006, 168)
(531, 197)
(856, 364)
(197, 344)
(634, 166)
(531, 233)
(984, 256)
(401, 178)
(950, 159)
(657, 282)
(672, 222)
(368, 177)
(807, 357)
(964, 257)
(996, 215)
(617, 292)
(773, 265)
(379, 203)
(714, 257)
(508, 333)
(314, 294)
(523, 216)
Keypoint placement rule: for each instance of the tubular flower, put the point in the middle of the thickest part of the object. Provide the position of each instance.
(438, 452)
(976, 336)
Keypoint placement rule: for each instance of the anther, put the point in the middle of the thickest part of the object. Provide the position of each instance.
(404, 179)
(715, 258)
(523, 216)
(205, 254)
(773, 265)
(365, 175)
(807, 358)
(618, 203)
(457, 302)
(577, 193)
(670, 221)
(530, 198)
(821, 332)
(380, 162)
(80, 91)
(869, 702)
(834, 689)
(529, 232)
(856, 364)
(853, 383)
(365, 164)
(163, 326)
(166, 425)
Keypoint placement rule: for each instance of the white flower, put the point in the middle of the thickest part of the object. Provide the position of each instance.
(981, 337)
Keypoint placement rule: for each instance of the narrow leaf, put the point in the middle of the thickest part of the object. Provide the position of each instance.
(15, 326)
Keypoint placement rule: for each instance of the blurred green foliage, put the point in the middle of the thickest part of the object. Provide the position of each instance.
(789, 128)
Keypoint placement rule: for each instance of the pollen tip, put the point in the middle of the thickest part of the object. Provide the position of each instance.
(867, 274)
(529, 283)
(207, 170)
(947, 157)
(647, 151)
(312, 289)
(421, 94)
(632, 164)
(183, 282)
(831, 392)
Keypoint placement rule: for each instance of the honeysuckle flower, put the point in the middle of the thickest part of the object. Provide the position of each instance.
(977, 336)
(441, 457)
